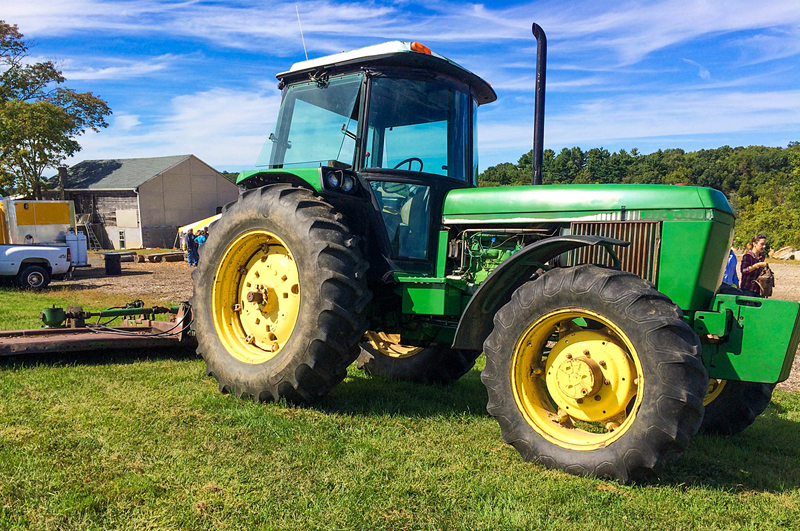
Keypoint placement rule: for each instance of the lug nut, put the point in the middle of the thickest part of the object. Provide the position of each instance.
(597, 397)
(602, 363)
(569, 356)
(580, 400)
(586, 353)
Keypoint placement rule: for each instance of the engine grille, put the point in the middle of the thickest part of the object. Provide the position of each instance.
(640, 257)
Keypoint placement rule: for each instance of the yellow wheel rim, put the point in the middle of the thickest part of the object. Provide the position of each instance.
(578, 387)
(715, 388)
(256, 296)
(389, 345)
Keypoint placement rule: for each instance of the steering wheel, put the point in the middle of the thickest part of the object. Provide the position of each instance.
(408, 161)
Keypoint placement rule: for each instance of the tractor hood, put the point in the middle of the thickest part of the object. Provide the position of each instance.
(525, 204)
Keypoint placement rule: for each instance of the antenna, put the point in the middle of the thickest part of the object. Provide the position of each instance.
(301, 31)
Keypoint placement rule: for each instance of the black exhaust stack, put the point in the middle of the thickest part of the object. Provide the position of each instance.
(538, 113)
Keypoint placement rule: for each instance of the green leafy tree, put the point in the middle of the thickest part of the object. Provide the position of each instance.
(504, 174)
(39, 120)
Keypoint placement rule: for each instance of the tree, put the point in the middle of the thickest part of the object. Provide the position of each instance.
(38, 120)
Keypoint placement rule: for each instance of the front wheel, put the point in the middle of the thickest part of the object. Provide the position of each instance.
(279, 296)
(594, 372)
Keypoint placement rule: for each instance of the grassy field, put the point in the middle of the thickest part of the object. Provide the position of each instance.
(145, 441)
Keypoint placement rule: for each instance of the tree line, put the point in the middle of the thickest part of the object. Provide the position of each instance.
(762, 183)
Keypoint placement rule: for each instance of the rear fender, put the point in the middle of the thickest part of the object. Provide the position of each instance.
(41, 262)
(477, 320)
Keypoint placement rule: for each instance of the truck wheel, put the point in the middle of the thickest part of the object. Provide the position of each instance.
(279, 296)
(33, 277)
(384, 356)
(594, 372)
(731, 405)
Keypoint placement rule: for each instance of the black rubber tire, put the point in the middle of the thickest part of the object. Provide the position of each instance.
(33, 277)
(331, 319)
(432, 365)
(669, 352)
(736, 407)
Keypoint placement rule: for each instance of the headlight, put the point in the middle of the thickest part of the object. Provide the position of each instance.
(348, 183)
(334, 179)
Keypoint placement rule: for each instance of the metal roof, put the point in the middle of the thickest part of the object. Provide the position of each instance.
(393, 53)
(116, 174)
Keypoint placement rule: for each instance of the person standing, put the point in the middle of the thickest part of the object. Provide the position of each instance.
(730, 277)
(191, 248)
(753, 261)
(199, 240)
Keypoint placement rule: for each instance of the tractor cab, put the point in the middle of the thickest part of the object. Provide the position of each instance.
(392, 124)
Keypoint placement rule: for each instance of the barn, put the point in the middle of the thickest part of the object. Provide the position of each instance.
(133, 203)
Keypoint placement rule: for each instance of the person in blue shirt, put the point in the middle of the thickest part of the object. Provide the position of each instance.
(730, 276)
(199, 240)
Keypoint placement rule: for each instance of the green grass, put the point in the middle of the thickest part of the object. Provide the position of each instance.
(145, 441)
(19, 309)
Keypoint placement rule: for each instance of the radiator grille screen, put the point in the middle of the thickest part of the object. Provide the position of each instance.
(641, 257)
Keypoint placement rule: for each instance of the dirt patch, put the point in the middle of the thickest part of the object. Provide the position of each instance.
(171, 282)
(157, 283)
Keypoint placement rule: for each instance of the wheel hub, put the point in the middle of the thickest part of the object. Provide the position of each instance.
(579, 377)
(590, 376)
(257, 296)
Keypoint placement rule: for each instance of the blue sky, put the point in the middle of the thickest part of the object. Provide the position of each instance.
(199, 77)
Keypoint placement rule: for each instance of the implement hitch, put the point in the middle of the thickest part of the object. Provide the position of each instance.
(68, 330)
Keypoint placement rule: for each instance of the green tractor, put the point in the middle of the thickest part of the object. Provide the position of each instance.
(608, 342)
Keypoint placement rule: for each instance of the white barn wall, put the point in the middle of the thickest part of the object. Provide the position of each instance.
(187, 192)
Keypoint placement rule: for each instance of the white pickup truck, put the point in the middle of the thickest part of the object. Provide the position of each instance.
(32, 266)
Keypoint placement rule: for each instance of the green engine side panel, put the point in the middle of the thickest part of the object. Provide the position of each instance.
(574, 202)
(692, 260)
(762, 339)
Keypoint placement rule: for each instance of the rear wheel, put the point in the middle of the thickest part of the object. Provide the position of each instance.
(33, 277)
(383, 355)
(594, 372)
(731, 406)
(279, 296)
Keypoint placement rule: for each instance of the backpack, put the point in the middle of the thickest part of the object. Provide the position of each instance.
(765, 281)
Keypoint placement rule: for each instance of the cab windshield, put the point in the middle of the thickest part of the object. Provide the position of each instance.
(419, 126)
(316, 126)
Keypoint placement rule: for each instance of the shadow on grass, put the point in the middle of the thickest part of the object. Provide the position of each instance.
(764, 457)
(98, 357)
(365, 396)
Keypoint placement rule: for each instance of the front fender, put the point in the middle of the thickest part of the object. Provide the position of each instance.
(477, 320)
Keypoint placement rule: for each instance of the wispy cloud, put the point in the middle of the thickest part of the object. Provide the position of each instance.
(701, 70)
(195, 123)
(121, 69)
(628, 29)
